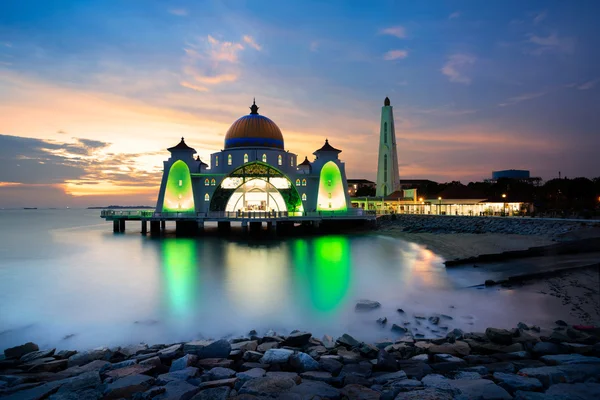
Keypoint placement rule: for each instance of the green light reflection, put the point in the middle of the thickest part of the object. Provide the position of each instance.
(181, 274)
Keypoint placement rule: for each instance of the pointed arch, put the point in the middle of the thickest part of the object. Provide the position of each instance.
(245, 158)
(213, 182)
(297, 182)
(206, 182)
(331, 195)
(229, 161)
(303, 182)
(264, 158)
(279, 160)
(179, 196)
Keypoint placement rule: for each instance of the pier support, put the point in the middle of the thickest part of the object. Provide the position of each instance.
(272, 226)
(144, 227)
(255, 226)
(154, 228)
(245, 226)
(224, 226)
(116, 226)
(200, 228)
(121, 225)
(163, 226)
(316, 225)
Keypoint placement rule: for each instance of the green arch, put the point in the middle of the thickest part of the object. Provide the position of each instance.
(332, 196)
(179, 196)
(257, 170)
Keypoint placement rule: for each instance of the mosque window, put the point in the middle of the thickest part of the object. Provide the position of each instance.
(206, 197)
(292, 161)
(329, 195)
(303, 182)
(264, 158)
(297, 182)
(245, 158)
(303, 196)
(385, 167)
(279, 160)
(228, 159)
(180, 183)
(216, 161)
(385, 132)
(329, 182)
(206, 182)
(213, 182)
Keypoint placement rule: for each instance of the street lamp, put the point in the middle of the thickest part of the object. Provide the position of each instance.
(440, 206)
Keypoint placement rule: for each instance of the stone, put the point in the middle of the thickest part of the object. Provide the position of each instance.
(122, 364)
(152, 361)
(394, 376)
(133, 349)
(230, 382)
(182, 363)
(328, 342)
(349, 357)
(282, 374)
(302, 362)
(136, 369)
(578, 348)
(386, 362)
(250, 365)
(29, 357)
(437, 381)
(500, 336)
(330, 365)
(276, 356)
(209, 363)
(399, 329)
(315, 390)
(562, 373)
(127, 386)
(321, 376)
(424, 345)
(171, 352)
(566, 359)
(218, 349)
(20, 351)
(32, 393)
(64, 354)
(520, 364)
(441, 358)
(245, 346)
(546, 348)
(575, 391)
(458, 348)
(382, 321)
(181, 375)
(512, 382)
(415, 369)
(86, 357)
(218, 393)
(427, 394)
(421, 357)
(467, 375)
(52, 366)
(263, 347)
(366, 305)
(560, 322)
(252, 356)
(362, 369)
(268, 386)
(251, 374)
(88, 394)
(358, 392)
(368, 350)
(348, 341)
(493, 348)
(506, 367)
(480, 389)
(218, 373)
(434, 319)
(195, 346)
(523, 326)
(297, 339)
(177, 390)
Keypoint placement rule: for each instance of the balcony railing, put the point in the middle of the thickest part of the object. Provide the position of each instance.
(138, 214)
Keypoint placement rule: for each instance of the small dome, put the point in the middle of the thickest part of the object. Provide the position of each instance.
(254, 130)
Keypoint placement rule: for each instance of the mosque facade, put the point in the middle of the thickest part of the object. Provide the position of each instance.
(253, 173)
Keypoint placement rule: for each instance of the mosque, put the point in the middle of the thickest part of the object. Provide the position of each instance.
(253, 173)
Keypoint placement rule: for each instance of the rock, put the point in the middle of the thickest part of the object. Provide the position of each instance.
(315, 390)
(522, 326)
(250, 365)
(500, 336)
(467, 375)
(245, 346)
(330, 365)
(218, 373)
(415, 369)
(382, 321)
(86, 357)
(182, 363)
(289, 375)
(52, 366)
(88, 394)
(546, 348)
(122, 364)
(562, 373)
(386, 378)
(181, 375)
(177, 390)
(492, 348)
(297, 339)
(251, 374)
(434, 320)
(302, 362)
(135, 369)
(29, 357)
(437, 381)
(328, 342)
(358, 392)
(218, 393)
(365, 305)
(362, 369)
(268, 386)
(64, 354)
(252, 356)
(127, 386)
(399, 329)
(348, 341)
(575, 391)
(427, 394)
(421, 357)
(401, 311)
(133, 349)
(263, 347)
(506, 367)
(386, 362)
(577, 348)
(566, 359)
(195, 346)
(152, 361)
(219, 349)
(20, 351)
(458, 348)
(560, 322)
(230, 382)
(349, 357)
(512, 382)
(209, 363)
(321, 376)
(32, 393)
(171, 352)
(447, 358)
(276, 356)
(480, 389)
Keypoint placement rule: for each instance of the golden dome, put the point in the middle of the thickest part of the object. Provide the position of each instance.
(254, 130)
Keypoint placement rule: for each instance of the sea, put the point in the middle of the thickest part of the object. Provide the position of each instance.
(67, 281)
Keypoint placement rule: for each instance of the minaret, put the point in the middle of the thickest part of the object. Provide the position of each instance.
(388, 177)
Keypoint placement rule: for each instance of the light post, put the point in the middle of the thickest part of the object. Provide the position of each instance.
(440, 206)
(504, 204)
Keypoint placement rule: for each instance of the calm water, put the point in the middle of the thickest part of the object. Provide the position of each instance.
(67, 281)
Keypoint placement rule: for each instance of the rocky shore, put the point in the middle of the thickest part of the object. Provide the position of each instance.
(522, 363)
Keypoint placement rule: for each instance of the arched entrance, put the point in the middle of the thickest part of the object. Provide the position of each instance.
(256, 195)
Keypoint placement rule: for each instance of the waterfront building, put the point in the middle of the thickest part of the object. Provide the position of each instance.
(356, 185)
(253, 173)
(388, 176)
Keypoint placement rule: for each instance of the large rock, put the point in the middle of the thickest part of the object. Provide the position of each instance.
(363, 369)
(500, 336)
(136, 369)
(302, 362)
(330, 365)
(86, 380)
(393, 376)
(209, 363)
(20, 351)
(218, 393)
(349, 357)
(177, 390)
(188, 360)
(562, 373)
(365, 305)
(263, 347)
(358, 392)
(415, 369)
(427, 394)
(133, 349)
(386, 361)
(180, 375)
(127, 386)
(458, 348)
(512, 382)
(29, 357)
(283, 374)
(218, 373)
(230, 382)
(297, 339)
(86, 357)
(348, 341)
(321, 376)
(245, 346)
(566, 359)
(267, 386)
(276, 356)
(219, 349)
(546, 348)
(251, 374)
(314, 390)
(195, 346)
(34, 393)
(575, 391)
(480, 389)
(170, 352)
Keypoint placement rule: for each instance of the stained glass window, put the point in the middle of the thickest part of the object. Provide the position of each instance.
(229, 159)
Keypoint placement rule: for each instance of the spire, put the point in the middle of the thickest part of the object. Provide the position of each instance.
(254, 107)
(386, 102)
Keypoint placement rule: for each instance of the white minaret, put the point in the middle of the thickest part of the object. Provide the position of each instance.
(388, 177)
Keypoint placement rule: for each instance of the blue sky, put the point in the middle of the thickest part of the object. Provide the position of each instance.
(476, 86)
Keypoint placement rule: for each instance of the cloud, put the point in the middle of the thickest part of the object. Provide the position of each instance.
(454, 68)
(397, 31)
(589, 84)
(252, 43)
(395, 55)
(223, 51)
(192, 86)
(539, 17)
(180, 12)
(524, 97)
(455, 14)
(551, 44)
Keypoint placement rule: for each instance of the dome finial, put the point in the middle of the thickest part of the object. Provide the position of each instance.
(254, 107)
(386, 102)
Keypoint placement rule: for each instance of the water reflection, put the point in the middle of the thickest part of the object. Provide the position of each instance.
(181, 275)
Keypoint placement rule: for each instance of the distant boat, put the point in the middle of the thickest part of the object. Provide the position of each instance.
(29, 208)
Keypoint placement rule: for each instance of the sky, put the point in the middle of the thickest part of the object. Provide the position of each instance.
(92, 92)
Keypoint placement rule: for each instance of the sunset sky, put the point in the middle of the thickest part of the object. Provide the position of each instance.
(92, 92)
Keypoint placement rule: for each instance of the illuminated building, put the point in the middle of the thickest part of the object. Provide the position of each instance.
(388, 177)
(253, 173)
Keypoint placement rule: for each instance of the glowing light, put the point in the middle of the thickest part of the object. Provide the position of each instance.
(264, 158)
(256, 195)
(179, 265)
(297, 182)
(245, 158)
(303, 182)
(231, 183)
(206, 182)
(279, 160)
(331, 189)
(179, 196)
(229, 159)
